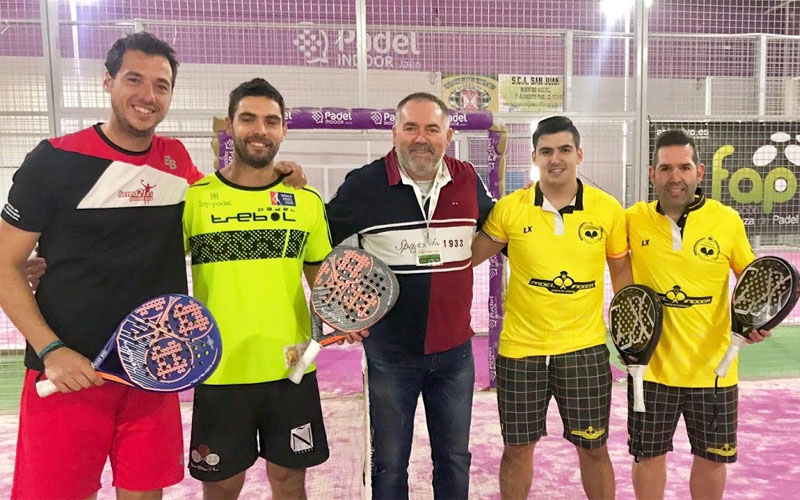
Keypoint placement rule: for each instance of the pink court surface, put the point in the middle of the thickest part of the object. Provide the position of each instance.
(768, 467)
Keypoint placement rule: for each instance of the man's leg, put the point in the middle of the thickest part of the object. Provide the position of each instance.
(581, 384)
(292, 435)
(63, 441)
(711, 422)
(516, 471)
(597, 474)
(650, 437)
(707, 481)
(147, 451)
(522, 399)
(649, 477)
(288, 484)
(226, 489)
(395, 382)
(447, 393)
(123, 494)
(223, 442)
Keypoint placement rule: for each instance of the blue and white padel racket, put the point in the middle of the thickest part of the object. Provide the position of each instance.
(168, 344)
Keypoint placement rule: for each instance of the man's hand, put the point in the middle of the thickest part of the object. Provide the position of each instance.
(355, 337)
(757, 336)
(34, 270)
(295, 177)
(70, 371)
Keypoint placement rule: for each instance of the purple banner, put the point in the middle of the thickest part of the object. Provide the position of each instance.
(495, 263)
(372, 119)
(353, 119)
(225, 149)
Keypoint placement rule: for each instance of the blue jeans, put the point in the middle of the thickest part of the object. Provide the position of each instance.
(446, 382)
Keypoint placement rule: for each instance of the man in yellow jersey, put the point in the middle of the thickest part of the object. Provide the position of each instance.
(560, 235)
(684, 246)
(251, 239)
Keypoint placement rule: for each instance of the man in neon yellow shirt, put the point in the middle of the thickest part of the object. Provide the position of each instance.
(684, 246)
(251, 239)
(560, 235)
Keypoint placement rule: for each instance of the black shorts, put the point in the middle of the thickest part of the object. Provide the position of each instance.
(232, 425)
(713, 438)
(581, 384)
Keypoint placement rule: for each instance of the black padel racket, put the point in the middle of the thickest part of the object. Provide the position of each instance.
(635, 316)
(352, 291)
(168, 344)
(764, 295)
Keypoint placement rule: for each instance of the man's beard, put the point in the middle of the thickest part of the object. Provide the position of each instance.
(424, 168)
(255, 161)
(127, 128)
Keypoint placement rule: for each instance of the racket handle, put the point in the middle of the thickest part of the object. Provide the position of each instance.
(45, 388)
(637, 373)
(737, 341)
(305, 361)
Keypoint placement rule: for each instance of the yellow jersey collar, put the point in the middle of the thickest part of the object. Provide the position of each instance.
(576, 204)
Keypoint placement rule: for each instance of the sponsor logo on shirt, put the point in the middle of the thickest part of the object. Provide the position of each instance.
(282, 199)
(145, 194)
(562, 284)
(170, 163)
(678, 299)
(590, 233)
(707, 249)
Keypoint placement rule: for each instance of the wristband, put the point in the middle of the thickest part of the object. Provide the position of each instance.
(52, 346)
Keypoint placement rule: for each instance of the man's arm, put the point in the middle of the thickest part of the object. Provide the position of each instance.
(620, 271)
(68, 369)
(484, 247)
(295, 177)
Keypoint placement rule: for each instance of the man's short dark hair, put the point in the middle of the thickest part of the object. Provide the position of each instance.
(554, 125)
(144, 42)
(257, 87)
(424, 96)
(675, 137)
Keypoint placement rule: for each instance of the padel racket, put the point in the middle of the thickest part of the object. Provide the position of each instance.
(352, 291)
(764, 295)
(635, 316)
(168, 344)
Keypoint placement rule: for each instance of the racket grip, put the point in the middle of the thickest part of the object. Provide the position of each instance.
(737, 341)
(305, 361)
(637, 373)
(45, 388)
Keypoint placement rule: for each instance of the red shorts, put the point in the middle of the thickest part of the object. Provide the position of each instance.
(64, 441)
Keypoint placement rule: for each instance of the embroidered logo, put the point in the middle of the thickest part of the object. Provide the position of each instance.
(591, 233)
(725, 451)
(169, 162)
(707, 249)
(590, 433)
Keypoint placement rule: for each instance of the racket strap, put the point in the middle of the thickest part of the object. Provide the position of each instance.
(715, 410)
(638, 423)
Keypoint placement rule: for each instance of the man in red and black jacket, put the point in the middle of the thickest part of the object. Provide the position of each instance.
(417, 210)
